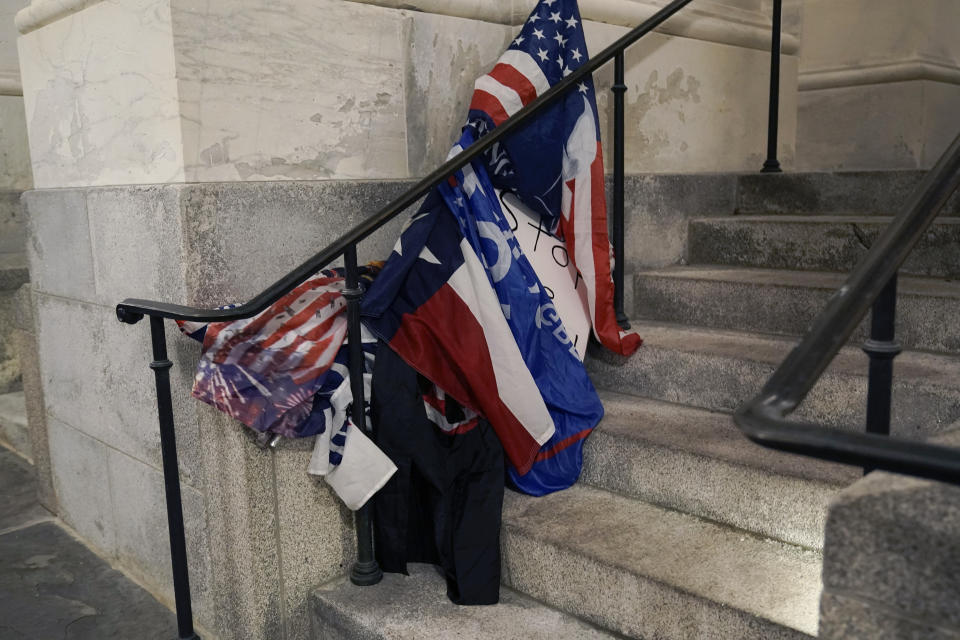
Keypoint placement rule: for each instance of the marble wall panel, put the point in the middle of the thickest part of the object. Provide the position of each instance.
(97, 380)
(9, 68)
(291, 90)
(81, 480)
(893, 125)
(446, 55)
(15, 171)
(693, 106)
(101, 96)
(142, 542)
(844, 34)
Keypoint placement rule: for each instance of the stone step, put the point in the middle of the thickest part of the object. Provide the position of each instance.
(815, 243)
(13, 423)
(648, 572)
(416, 606)
(848, 192)
(786, 302)
(720, 370)
(698, 462)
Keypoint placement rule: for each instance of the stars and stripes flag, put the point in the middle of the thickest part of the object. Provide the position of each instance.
(555, 163)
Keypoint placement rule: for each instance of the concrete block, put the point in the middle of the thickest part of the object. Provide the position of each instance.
(658, 209)
(894, 542)
(240, 238)
(817, 243)
(81, 478)
(316, 535)
(96, 377)
(13, 224)
(136, 240)
(720, 370)
(14, 432)
(840, 192)
(698, 462)
(9, 366)
(614, 561)
(416, 606)
(845, 617)
(142, 543)
(15, 173)
(25, 343)
(786, 302)
(246, 591)
(61, 257)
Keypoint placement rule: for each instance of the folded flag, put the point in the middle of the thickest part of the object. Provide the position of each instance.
(547, 349)
(555, 162)
(434, 305)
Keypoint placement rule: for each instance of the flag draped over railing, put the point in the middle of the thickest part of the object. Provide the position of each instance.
(555, 162)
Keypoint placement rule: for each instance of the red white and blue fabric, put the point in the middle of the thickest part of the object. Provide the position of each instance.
(555, 163)
(433, 304)
(460, 302)
(547, 349)
(285, 371)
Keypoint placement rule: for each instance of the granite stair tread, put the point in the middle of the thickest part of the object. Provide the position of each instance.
(416, 606)
(710, 434)
(645, 571)
(721, 369)
(786, 302)
(698, 462)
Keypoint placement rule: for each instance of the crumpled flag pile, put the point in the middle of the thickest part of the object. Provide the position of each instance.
(285, 371)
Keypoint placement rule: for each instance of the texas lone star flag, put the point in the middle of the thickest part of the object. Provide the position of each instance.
(434, 305)
(555, 163)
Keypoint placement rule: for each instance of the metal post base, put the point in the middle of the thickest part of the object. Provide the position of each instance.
(771, 166)
(366, 574)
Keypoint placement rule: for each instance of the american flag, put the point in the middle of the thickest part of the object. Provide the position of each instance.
(277, 370)
(555, 163)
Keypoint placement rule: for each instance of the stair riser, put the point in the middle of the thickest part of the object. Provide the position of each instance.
(814, 247)
(723, 383)
(785, 508)
(860, 192)
(923, 322)
(627, 603)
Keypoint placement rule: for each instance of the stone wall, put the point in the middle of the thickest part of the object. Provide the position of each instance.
(891, 566)
(260, 532)
(15, 177)
(879, 84)
(194, 155)
(248, 90)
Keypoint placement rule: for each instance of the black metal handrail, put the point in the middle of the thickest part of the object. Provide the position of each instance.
(872, 282)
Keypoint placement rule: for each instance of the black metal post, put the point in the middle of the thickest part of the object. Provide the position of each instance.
(882, 349)
(171, 479)
(365, 571)
(771, 164)
(618, 89)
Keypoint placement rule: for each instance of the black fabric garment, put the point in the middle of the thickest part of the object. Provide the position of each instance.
(443, 505)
